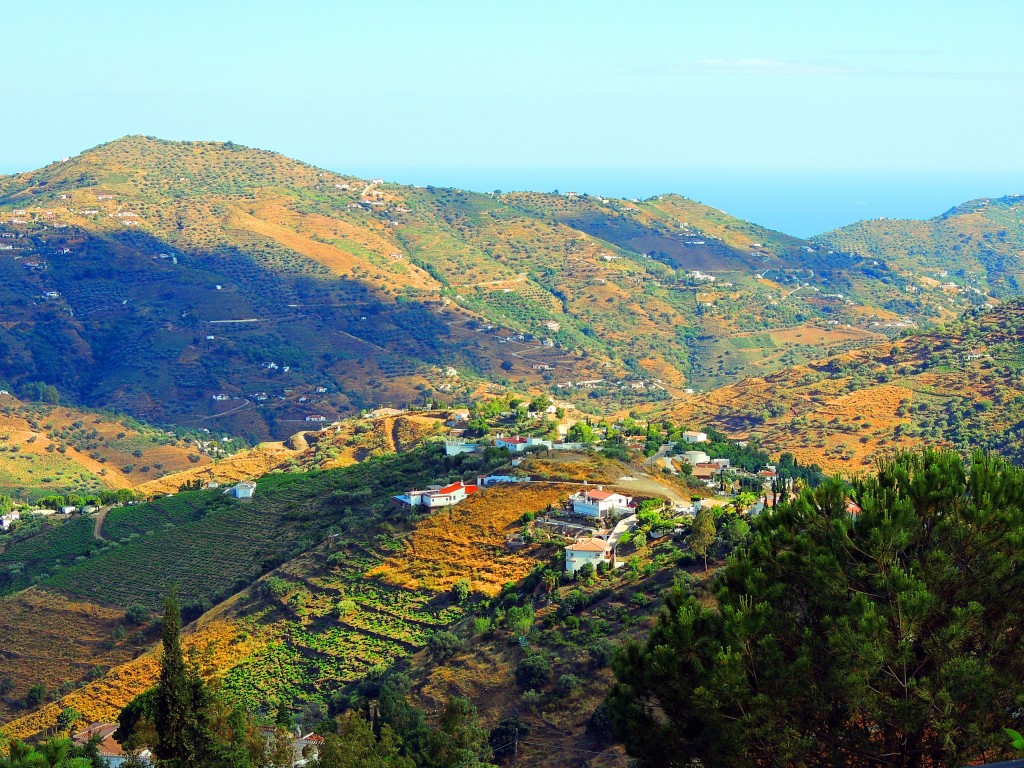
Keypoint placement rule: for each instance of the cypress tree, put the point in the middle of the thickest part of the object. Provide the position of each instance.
(702, 536)
(181, 718)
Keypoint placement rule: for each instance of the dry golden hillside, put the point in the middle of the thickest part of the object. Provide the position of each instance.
(468, 541)
(960, 387)
(339, 445)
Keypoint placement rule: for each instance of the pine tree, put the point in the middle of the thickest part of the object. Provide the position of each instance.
(892, 640)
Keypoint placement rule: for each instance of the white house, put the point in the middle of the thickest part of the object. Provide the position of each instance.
(437, 497)
(593, 551)
(8, 519)
(454, 447)
(599, 502)
(244, 490)
(695, 437)
(520, 444)
(67, 509)
(514, 444)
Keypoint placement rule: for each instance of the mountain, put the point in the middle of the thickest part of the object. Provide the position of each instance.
(958, 386)
(971, 252)
(212, 285)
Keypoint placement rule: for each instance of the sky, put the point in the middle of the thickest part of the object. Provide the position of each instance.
(798, 115)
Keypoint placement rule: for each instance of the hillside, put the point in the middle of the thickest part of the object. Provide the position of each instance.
(47, 449)
(946, 264)
(212, 285)
(349, 583)
(959, 386)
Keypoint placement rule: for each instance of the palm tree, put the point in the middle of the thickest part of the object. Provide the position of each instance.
(55, 753)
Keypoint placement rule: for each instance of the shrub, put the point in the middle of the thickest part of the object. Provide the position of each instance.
(443, 645)
(136, 614)
(533, 672)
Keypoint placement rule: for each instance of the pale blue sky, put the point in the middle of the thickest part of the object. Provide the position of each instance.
(502, 94)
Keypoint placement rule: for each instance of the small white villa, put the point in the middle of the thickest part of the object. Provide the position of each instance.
(599, 502)
(695, 437)
(437, 497)
(519, 444)
(593, 551)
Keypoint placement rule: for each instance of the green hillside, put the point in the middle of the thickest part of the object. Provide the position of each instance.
(177, 281)
(960, 259)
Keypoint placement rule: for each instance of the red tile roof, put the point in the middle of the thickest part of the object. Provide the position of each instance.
(599, 495)
(449, 488)
(516, 440)
(589, 545)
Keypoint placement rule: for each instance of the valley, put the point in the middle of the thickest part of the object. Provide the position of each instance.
(243, 380)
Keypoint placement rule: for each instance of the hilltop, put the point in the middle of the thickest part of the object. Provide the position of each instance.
(972, 251)
(209, 284)
(959, 386)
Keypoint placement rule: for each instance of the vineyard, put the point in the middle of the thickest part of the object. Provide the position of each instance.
(59, 543)
(330, 623)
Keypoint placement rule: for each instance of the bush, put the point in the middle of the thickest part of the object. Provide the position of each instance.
(533, 672)
(443, 645)
(460, 590)
(567, 685)
(36, 695)
(136, 614)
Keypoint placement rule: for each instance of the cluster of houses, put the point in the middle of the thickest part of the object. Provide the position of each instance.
(305, 749)
(10, 518)
(453, 446)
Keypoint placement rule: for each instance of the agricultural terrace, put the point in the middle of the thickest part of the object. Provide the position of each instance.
(227, 543)
(468, 541)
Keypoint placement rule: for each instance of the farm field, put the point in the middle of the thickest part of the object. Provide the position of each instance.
(317, 622)
(59, 543)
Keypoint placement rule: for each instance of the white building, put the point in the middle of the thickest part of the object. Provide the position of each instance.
(455, 447)
(8, 519)
(599, 502)
(695, 437)
(592, 551)
(520, 444)
(695, 457)
(244, 490)
(437, 497)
